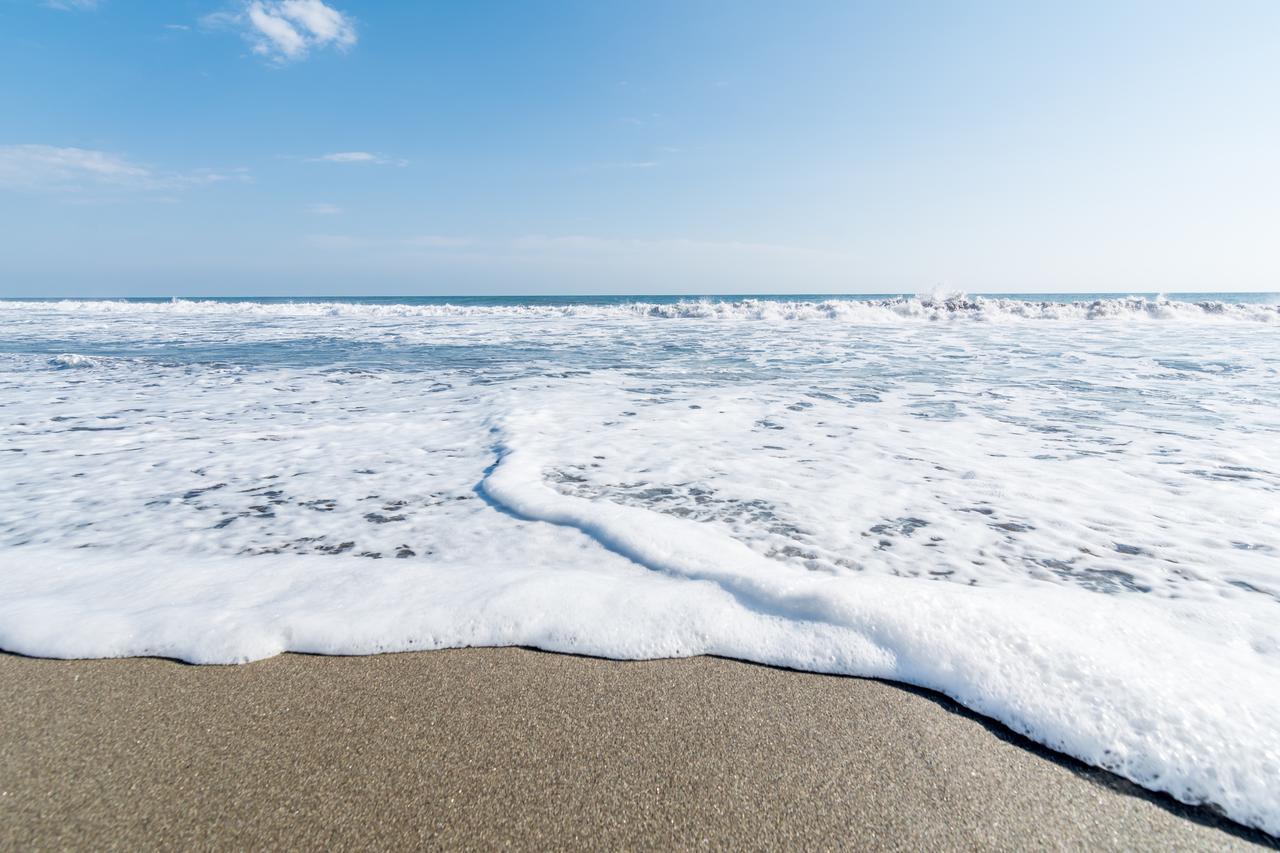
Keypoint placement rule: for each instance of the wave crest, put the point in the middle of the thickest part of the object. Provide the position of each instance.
(71, 360)
(929, 308)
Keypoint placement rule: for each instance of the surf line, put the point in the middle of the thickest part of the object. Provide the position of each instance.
(1040, 660)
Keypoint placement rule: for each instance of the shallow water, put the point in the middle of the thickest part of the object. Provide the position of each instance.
(1065, 514)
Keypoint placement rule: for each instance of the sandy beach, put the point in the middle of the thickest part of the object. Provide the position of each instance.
(661, 425)
(482, 748)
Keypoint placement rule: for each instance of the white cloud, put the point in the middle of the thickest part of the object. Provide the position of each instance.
(347, 157)
(287, 30)
(46, 165)
(324, 209)
(221, 20)
(358, 157)
(176, 27)
(275, 35)
(325, 24)
(53, 169)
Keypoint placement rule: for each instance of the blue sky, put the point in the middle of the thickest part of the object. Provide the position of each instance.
(355, 147)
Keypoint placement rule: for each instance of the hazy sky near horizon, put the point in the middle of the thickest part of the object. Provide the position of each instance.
(353, 147)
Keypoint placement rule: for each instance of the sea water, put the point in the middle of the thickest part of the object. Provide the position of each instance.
(1063, 512)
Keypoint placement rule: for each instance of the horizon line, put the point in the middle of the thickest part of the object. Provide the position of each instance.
(641, 295)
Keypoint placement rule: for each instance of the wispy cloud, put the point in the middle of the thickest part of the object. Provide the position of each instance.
(581, 246)
(336, 241)
(72, 5)
(358, 157)
(422, 241)
(324, 209)
(49, 168)
(642, 121)
(287, 30)
(437, 241)
(582, 261)
(176, 27)
(620, 165)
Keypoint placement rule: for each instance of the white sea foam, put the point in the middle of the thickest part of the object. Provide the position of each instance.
(1070, 527)
(70, 359)
(920, 308)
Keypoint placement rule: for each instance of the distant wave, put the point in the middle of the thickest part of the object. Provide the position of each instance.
(961, 307)
(72, 360)
(929, 308)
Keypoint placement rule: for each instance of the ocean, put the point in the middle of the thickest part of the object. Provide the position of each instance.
(1062, 511)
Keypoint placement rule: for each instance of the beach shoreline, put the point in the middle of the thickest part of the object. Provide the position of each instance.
(516, 747)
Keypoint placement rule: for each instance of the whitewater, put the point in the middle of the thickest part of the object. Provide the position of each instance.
(1064, 513)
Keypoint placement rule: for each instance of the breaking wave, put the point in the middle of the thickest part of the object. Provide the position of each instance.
(72, 360)
(928, 308)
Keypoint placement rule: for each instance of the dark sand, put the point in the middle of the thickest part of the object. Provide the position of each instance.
(508, 747)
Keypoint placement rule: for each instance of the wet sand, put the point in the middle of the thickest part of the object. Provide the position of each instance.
(481, 748)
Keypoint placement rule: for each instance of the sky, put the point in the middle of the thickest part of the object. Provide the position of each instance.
(353, 147)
